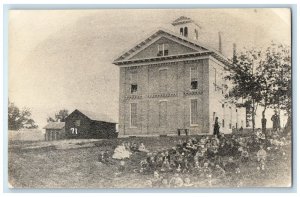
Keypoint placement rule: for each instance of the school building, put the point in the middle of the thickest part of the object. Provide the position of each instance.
(171, 81)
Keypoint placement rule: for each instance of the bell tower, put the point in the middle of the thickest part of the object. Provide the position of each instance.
(187, 27)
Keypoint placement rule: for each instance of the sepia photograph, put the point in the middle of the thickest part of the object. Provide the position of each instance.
(150, 98)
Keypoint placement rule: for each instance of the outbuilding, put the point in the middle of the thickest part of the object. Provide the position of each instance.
(54, 131)
(89, 125)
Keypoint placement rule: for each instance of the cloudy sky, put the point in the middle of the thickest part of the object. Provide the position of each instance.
(63, 58)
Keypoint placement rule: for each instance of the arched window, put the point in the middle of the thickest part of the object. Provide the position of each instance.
(181, 31)
(196, 34)
(185, 32)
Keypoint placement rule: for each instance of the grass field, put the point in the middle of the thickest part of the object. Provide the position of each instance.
(73, 164)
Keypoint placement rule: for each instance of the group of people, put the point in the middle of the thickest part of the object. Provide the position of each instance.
(207, 157)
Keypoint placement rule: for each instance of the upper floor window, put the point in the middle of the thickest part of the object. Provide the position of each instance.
(163, 77)
(194, 77)
(196, 34)
(215, 79)
(185, 33)
(133, 82)
(77, 123)
(163, 50)
(181, 31)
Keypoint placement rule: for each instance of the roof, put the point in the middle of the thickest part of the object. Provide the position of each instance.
(201, 48)
(182, 20)
(55, 125)
(97, 116)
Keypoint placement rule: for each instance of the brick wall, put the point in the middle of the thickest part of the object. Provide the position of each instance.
(178, 96)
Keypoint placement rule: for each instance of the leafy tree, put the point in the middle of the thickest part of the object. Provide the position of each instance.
(245, 81)
(18, 119)
(59, 116)
(275, 76)
(262, 77)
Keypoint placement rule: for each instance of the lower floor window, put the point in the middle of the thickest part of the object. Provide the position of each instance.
(133, 114)
(194, 111)
(163, 113)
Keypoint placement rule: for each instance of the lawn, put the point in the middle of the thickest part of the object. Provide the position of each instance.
(74, 164)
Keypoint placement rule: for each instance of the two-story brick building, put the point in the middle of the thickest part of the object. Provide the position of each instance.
(171, 81)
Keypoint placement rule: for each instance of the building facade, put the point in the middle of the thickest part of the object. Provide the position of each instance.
(89, 125)
(170, 81)
(54, 131)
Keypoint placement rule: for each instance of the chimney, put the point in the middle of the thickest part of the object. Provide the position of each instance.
(220, 42)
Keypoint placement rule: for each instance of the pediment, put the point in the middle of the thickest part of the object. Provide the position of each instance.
(176, 44)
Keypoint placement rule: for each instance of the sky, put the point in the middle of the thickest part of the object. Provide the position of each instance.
(62, 59)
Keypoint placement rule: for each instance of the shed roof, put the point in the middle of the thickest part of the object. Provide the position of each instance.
(98, 116)
(55, 125)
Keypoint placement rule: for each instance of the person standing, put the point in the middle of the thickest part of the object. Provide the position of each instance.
(216, 127)
(275, 120)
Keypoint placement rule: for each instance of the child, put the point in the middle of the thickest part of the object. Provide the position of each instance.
(142, 148)
(166, 163)
(187, 183)
(121, 168)
(144, 166)
(219, 171)
(244, 155)
(176, 181)
(261, 158)
(207, 173)
(121, 153)
(156, 182)
(165, 183)
(101, 157)
(231, 167)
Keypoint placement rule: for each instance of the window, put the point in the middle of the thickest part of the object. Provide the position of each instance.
(133, 88)
(185, 32)
(133, 82)
(223, 123)
(163, 50)
(77, 123)
(74, 131)
(214, 116)
(194, 112)
(163, 111)
(196, 34)
(194, 77)
(222, 105)
(215, 70)
(133, 114)
(181, 31)
(163, 77)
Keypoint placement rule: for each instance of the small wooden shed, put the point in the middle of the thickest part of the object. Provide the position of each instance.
(89, 125)
(54, 131)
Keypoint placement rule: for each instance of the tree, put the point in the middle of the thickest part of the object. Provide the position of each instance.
(59, 116)
(245, 81)
(18, 119)
(275, 74)
(262, 77)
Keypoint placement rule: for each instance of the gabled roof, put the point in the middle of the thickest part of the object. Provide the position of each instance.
(182, 20)
(55, 125)
(97, 116)
(200, 47)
